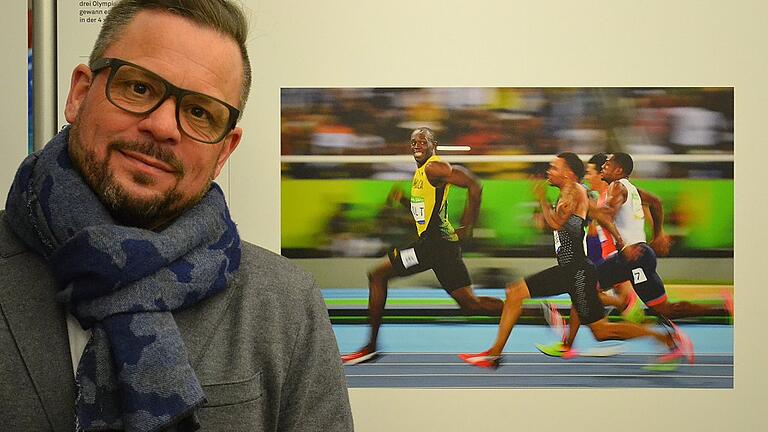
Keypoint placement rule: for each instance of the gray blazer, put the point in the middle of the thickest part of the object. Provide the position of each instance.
(263, 350)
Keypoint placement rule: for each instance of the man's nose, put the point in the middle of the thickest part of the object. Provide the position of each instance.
(161, 123)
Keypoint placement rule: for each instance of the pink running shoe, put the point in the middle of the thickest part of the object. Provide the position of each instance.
(365, 355)
(728, 302)
(683, 348)
(481, 360)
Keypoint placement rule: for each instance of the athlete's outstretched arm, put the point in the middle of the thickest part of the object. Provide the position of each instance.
(660, 242)
(440, 173)
(566, 205)
(396, 195)
(616, 197)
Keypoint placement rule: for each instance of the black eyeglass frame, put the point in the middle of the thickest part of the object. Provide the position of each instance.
(170, 90)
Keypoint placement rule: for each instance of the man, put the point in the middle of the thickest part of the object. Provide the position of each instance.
(623, 205)
(128, 301)
(437, 247)
(625, 299)
(573, 269)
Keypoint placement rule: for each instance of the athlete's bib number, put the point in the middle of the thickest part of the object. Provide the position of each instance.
(638, 275)
(417, 208)
(408, 257)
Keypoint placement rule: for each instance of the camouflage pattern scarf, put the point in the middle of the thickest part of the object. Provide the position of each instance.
(122, 283)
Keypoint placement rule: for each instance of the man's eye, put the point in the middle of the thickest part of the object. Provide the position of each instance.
(198, 112)
(139, 88)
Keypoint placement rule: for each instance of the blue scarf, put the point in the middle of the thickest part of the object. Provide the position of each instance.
(122, 283)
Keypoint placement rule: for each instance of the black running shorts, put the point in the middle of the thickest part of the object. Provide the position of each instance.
(579, 281)
(442, 256)
(641, 273)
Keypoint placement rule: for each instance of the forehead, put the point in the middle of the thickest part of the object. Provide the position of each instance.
(558, 163)
(420, 136)
(183, 52)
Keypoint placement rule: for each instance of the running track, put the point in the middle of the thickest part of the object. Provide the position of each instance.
(424, 356)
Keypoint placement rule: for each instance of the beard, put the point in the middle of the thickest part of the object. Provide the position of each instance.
(149, 213)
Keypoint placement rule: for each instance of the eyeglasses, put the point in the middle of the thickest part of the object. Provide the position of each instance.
(139, 91)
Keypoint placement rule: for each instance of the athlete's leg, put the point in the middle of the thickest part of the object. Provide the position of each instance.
(378, 279)
(611, 300)
(513, 306)
(682, 309)
(651, 290)
(624, 293)
(606, 330)
(543, 284)
(472, 304)
(573, 327)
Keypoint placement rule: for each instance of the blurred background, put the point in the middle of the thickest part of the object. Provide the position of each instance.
(343, 149)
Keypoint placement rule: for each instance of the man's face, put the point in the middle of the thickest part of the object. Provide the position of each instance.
(611, 170)
(558, 171)
(422, 146)
(144, 169)
(592, 177)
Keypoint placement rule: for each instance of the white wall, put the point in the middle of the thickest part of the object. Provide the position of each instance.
(516, 43)
(13, 92)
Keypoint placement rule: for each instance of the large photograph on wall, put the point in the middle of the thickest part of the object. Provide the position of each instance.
(429, 216)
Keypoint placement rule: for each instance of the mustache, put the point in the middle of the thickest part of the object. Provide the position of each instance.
(150, 149)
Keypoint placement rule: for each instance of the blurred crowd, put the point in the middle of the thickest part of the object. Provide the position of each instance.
(507, 121)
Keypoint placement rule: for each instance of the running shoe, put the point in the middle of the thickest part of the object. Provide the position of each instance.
(558, 349)
(365, 355)
(555, 320)
(728, 303)
(685, 344)
(634, 311)
(683, 348)
(670, 366)
(481, 360)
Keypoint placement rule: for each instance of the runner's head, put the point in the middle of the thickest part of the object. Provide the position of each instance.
(618, 166)
(564, 168)
(592, 173)
(423, 144)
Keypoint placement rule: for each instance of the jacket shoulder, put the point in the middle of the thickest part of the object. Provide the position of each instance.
(273, 271)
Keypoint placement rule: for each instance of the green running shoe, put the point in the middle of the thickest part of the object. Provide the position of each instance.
(556, 349)
(669, 366)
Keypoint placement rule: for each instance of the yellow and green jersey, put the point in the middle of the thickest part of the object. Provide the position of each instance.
(429, 205)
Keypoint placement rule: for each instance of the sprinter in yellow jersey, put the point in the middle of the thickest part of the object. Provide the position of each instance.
(438, 245)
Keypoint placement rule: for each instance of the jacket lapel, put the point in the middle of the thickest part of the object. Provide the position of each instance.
(37, 325)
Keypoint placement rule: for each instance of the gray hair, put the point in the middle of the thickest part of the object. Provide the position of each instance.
(223, 16)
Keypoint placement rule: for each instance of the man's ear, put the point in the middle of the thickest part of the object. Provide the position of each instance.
(80, 83)
(229, 146)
